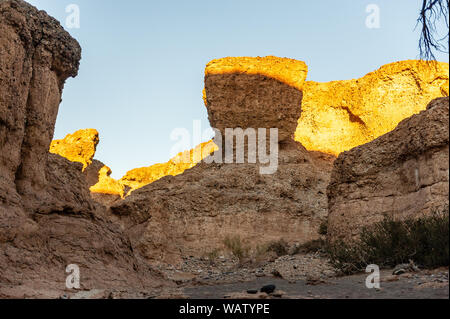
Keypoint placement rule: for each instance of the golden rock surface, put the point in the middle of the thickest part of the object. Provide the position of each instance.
(336, 116)
(106, 184)
(81, 145)
(77, 147)
(340, 115)
(289, 71)
(140, 177)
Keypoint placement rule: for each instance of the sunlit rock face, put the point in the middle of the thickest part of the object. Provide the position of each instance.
(262, 92)
(402, 174)
(80, 147)
(216, 200)
(140, 177)
(340, 115)
(104, 189)
(77, 147)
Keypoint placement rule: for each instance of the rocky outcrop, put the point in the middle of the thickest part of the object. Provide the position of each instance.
(404, 173)
(47, 218)
(141, 177)
(77, 147)
(35, 60)
(105, 190)
(80, 147)
(193, 213)
(255, 93)
(340, 115)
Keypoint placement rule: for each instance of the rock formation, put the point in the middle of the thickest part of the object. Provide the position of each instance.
(255, 93)
(104, 189)
(80, 147)
(47, 219)
(194, 212)
(340, 115)
(77, 147)
(35, 60)
(140, 177)
(335, 117)
(404, 173)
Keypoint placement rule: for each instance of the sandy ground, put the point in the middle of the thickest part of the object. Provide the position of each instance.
(422, 285)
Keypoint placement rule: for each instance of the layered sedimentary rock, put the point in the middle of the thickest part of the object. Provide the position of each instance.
(340, 115)
(404, 173)
(335, 117)
(36, 57)
(80, 147)
(77, 147)
(140, 177)
(263, 92)
(192, 214)
(47, 218)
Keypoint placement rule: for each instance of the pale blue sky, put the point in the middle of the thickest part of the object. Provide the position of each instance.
(142, 70)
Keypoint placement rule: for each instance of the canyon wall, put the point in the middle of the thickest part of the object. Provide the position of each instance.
(340, 115)
(47, 218)
(335, 116)
(193, 213)
(404, 173)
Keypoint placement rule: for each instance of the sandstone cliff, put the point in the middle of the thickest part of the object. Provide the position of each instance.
(213, 201)
(335, 117)
(47, 218)
(77, 147)
(340, 115)
(140, 177)
(404, 173)
(255, 93)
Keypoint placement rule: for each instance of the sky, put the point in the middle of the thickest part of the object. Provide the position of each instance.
(142, 69)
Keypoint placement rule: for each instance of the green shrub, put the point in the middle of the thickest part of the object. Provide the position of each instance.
(388, 243)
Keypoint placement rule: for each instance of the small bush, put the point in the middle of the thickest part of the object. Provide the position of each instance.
(260, 251)
(313, 246)
(323, 228)
(389, 243)
(213, 255)
(234, 244)
(280, 247)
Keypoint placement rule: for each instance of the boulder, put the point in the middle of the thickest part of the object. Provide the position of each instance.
(402, 174)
